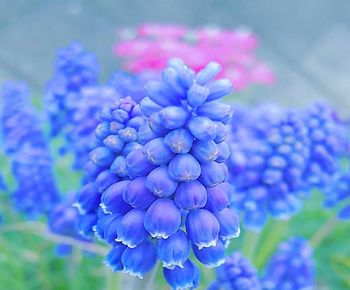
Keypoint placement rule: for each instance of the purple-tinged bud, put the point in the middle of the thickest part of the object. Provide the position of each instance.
(145, 134)
(184, 167)
(218, 198)
(106, 227)
(205, 151)
(197, 95)
(211, 257)
(216, 111)
(219, 89)
(120, 115)
(229, 224)
(179, 141)
(202, 228)
(137, 164)
(224, 152)
(190, 195)
(155, 123)
(138, 261)
(157, 152)
(87, 199)
(162, 219)
(183, 278)
(119, 166)
(105, 179)
(86, 223)
(221, 132)
(160, 183)
(137, 195)
(170, 77)
(148, 107)
(212, 174)
(202, 128)
(160, 94)
(208, 73)
(113, 259)
(102, 156)
(130, 147)
(173, 117)
(131, 231)
(112, 199)
(128, 134)
(102, 130)
(174, 251)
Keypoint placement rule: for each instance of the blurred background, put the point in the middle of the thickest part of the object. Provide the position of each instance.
(306, 43)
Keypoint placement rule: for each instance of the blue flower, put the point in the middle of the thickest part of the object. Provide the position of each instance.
(237, 273)
(338, 191)
(328, 143)
(271, 178)
(291, 267)
(161, 181)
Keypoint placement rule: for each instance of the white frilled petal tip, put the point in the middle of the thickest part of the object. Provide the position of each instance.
(173, 264)
(160, 235)
(126, 243)
(132, 273)
(206, 245)
(214, 265)
(80, 209)
(233, 236)
(104, 208)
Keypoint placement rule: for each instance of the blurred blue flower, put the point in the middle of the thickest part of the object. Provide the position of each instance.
(74, 69)
(337, 193)
(155, 187)
(267, 172)
(328, 143)
(36, 191)
(3, 185)
(237, 273)
(19, 121)
(291, 267)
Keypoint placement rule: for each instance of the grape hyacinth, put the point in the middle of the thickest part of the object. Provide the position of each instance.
(268, 178)
(338, 192)
(328, 143)
(169, 195)
(237, 273)
(291, 267)
(74, 69)
(150, 46)
(19, 120)
(36, 191)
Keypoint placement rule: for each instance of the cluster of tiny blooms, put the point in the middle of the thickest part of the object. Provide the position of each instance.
(237, 273)
(74, 69)
(328, 143)
(291, 267)
(63, 219)
(36, 190)
(159, 199)
(19, 124)
(150, 47)
(338, 192)
(269, 178)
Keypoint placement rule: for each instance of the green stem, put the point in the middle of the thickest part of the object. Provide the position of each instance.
(251, 241)
(112, 280)
(151, 278)
(324, 231)
(273, 234)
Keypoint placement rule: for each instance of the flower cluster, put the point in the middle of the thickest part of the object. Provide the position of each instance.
(338, 191)
(36, 191)
(328, 142)
(75, 69)
(150, 47)
(269, 178)
(18, 119)
(237, 273)
(162, 198)
(291, 267)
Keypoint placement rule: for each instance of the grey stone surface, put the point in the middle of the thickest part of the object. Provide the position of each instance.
(306, 42)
